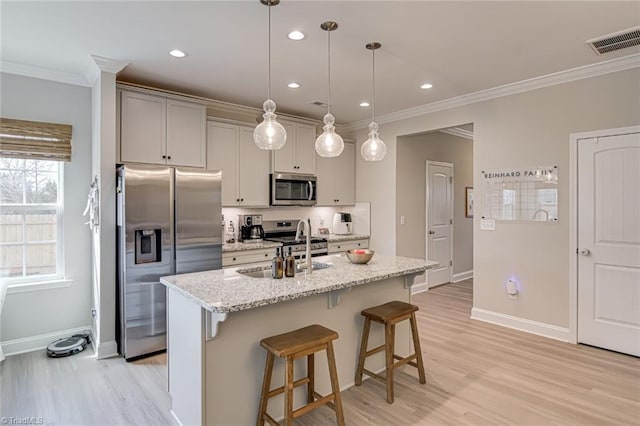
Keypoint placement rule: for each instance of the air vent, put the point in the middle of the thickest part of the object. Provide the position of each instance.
(616, 41)
(320, 104)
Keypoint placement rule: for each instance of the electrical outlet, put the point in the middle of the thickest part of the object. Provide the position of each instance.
(401, 220)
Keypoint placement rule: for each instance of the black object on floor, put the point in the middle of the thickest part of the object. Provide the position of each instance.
(68, 345)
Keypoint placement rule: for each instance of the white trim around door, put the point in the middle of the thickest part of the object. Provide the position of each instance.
(573, 218)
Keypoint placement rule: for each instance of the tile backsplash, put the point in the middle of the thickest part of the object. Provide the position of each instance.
(321, 217)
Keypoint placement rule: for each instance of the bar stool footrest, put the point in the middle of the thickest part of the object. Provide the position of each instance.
(278, 391)
(378, 377)
(312, 405)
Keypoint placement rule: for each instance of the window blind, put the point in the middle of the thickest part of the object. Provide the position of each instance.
(35, 140)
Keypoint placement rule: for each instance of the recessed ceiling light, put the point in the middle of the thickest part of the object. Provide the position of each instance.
(177, 53)
(426, 86)
(293, 85)
(364, 104)
(295, 35)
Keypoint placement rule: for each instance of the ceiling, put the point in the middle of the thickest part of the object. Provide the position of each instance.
(459, 47)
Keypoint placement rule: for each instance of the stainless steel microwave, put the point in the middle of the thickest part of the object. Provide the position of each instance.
(293, 190)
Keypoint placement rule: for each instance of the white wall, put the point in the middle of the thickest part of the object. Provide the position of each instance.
(29, 314)
(525, 129)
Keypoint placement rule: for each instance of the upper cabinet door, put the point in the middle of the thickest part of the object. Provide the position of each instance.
(222, 154)
(305, 149)
(336, 178)
(253, 171)
(186, 133)
(284, 159)
(143, 128)
(345, 176)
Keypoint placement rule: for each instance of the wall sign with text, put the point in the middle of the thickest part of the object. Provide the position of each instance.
(526, 194)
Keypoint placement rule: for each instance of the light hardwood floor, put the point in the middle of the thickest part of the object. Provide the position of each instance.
(477, 374)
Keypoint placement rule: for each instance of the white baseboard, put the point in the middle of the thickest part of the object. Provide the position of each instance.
(106, 349)
(461, 276)
(41, 341)
(522, 324)
(419, 288)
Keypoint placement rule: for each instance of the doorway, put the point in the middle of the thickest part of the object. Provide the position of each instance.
(606, 226)
(453, 145)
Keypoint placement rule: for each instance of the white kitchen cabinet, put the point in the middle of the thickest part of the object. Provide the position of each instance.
(245, 167)
(337, 178)
(298, 154)
(338, 246)
(157, 130)
(235, 258)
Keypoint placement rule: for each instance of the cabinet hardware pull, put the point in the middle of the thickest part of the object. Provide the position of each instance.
(164, 156)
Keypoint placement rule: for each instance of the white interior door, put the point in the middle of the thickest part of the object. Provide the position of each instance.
(609, 242)
(439, 221)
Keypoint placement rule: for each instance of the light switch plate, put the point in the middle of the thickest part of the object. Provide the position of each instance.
(487, 224)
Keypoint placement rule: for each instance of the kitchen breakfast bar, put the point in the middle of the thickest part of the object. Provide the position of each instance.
(216, 320)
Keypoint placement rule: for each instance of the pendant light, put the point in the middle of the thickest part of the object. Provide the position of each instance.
(329, 143)
(373, 149)
(269, 134)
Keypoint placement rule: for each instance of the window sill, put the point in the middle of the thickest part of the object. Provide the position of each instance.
(38, 286)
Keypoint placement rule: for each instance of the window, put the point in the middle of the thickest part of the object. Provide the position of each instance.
(30, 220)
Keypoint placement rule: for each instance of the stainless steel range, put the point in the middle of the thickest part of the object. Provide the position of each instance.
(284, 231)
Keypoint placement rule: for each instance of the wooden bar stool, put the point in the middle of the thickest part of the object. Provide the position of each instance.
(296, 344)
(390, 314)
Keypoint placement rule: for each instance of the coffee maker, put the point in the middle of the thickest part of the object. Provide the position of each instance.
(251, 227)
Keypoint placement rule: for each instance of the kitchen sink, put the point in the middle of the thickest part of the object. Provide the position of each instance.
(265, 271)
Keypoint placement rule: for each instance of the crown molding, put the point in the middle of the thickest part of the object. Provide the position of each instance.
(457, 131)
(561, 77)
(101, 64)
(43, 73)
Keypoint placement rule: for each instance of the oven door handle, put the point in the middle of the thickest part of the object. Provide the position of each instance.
(310, 190)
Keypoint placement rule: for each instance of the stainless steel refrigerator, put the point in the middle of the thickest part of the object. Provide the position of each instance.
(168, 222)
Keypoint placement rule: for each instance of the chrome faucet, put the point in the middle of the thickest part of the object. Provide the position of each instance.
(307, 232)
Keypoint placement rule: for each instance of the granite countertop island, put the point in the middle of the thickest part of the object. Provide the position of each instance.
(228, 290)
(333, 238)
(216, 319)
(240, 246)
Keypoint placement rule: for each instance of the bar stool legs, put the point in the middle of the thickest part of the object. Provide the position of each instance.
(389, 315)
(304, 342)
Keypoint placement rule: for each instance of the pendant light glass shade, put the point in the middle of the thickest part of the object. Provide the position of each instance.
(269, 134)
(329, 143)
(373, 149)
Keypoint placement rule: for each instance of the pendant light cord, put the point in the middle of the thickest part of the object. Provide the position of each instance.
(373, 87)
(329, 73)
(269, 38)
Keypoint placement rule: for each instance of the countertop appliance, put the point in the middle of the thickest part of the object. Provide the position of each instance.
(251, 228)
(168, 222)
(293, 189)
(342, 224)
(284, 231)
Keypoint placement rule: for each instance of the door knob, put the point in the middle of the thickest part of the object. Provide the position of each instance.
(585, 252)
(431, 232)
